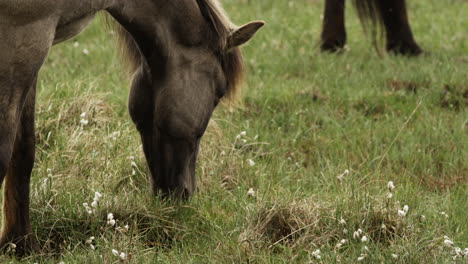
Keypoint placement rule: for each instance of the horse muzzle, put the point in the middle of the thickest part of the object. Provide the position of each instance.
(173, 169)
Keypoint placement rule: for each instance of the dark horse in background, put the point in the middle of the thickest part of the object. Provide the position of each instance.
(185, 58)
(391, 14)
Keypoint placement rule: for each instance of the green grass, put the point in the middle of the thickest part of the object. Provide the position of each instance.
(308, 117)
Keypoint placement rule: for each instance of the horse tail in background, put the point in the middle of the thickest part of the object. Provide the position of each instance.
(375, 15)
(370, 13)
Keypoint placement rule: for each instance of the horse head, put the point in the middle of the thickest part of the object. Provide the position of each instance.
(186, 60)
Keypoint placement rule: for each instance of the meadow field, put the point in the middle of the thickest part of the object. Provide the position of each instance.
(297, 172)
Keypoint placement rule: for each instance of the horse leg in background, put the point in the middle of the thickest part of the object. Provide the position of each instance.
(16, 226)
(333, 37)
(399, 36)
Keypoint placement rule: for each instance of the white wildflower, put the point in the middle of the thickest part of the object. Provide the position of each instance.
(11, 247)
(251, 162)
(115, 135)
(401, 213)
(90, 240)
(133, 164)
(364, 239)
(316, 254)
(251, 192)
(83, 115)
(405, 208)
(341, 176)
(243, 133)
(115, 252)
(84, 122)
(76, 44)
(87, 208)
(94, 204)
(123, 256)
(395, 256)
(110, 219)
(341, 243)
(97, 196)
(448, 242)
(362, 257)
(111, 222)
(356, 235)
(85, 51)
(342, 222)
(389, 195)
(90, 243)
(444, 214)
(390, 186)
(123, 229)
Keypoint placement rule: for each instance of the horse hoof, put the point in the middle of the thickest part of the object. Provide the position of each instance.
(332, 46)
(405, 49)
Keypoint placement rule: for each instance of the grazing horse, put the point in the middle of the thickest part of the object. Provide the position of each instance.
(391, 13)
(185, 58)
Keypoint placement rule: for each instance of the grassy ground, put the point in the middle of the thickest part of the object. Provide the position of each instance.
(308, 118)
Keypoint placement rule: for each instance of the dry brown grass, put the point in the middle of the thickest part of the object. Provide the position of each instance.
(293, 223)
(309, 223)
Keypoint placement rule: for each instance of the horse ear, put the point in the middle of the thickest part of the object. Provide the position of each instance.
(243, 34)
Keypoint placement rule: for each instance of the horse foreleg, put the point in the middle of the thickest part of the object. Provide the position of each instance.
(23, 50)
(16, 227)
(398, 31)
(333, 37)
